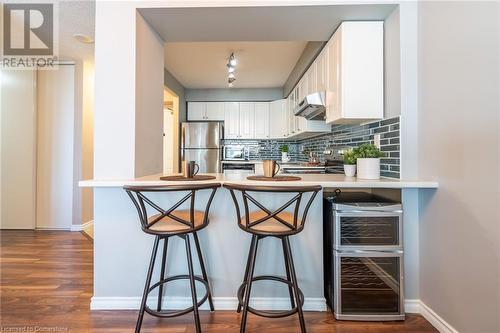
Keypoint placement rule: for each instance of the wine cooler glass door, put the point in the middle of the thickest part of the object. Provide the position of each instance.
(368, 230)
(369, 285)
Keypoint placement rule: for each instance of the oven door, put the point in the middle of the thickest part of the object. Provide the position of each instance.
(368, 285)
(368, 230)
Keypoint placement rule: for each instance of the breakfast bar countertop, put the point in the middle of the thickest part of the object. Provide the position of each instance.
(325, 180)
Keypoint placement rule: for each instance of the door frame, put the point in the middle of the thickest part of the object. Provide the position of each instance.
(176, 132)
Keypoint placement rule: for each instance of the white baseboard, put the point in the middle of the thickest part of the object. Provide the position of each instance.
(82, 227)
(412, 306)
(432, 317)
(220, 303)
(268, 303)
(417, 306)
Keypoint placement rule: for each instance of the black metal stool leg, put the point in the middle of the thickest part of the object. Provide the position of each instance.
(287, 267)
(162, 272)
(248, 288)
(193, 286)
(203, 270)
(247, 267)
(295, 285)
(146, 285)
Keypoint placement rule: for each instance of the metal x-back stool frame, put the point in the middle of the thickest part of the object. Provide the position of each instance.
(181, 225)
(284, 227)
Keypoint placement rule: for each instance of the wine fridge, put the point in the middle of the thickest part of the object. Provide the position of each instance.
(363, 256)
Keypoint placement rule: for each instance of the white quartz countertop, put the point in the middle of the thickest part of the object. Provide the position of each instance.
(325, 180)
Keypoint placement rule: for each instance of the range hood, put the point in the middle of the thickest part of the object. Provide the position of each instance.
(312, 107)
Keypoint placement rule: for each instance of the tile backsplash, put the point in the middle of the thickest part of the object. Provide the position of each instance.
(341, 135)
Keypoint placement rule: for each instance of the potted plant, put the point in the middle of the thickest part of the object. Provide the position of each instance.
(350, 163)
(368, 161)
(284, 154)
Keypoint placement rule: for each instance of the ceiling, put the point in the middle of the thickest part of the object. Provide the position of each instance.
(267, 41)
(278, 23)
(260, 64)
(76, 17)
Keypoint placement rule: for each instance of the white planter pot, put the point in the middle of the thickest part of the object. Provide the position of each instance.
(368, 168)
(284, 157)
(350, 170)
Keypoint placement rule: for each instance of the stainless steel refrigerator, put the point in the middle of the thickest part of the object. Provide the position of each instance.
(201, 142)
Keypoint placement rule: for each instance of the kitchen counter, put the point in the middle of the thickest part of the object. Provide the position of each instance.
(122, 250)
(325, 180)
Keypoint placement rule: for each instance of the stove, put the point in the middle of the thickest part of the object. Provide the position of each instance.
(334, 158)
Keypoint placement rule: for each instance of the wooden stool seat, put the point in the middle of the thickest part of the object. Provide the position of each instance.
(270, 225)
(171, 224)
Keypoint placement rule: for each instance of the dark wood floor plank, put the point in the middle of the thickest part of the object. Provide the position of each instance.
(46, 281)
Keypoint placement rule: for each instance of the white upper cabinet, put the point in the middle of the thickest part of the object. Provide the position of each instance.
(322, 70)
(231, 120)
(204, 111)
(261, 120)
(215, 111)
(278, 119)
(356, 73)
(196, 111)
(311, 79)
(247, 114)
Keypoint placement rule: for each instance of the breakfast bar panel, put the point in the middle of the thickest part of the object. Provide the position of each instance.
(122, 251)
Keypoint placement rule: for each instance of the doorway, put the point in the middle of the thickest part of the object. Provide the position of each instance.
(170, 132)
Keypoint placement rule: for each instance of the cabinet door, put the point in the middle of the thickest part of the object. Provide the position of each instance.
(215, 111)
(261, 120)
(278, 120)
(231, 120)
(333, 110)
(302, 88)
(247, 112)
(291, 115)
(311, 79)
(322, 71)
(197, 111)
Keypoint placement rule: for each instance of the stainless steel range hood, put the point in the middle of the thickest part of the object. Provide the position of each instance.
(312, 107)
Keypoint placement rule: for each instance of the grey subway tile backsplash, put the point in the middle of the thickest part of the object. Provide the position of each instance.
(340, 135)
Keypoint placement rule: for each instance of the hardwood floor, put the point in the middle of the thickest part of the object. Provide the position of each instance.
(46, 282)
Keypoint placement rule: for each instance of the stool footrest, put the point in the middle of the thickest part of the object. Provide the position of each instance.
(270, 313)
(176, 313)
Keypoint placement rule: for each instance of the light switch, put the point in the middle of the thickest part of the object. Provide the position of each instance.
(376, 140)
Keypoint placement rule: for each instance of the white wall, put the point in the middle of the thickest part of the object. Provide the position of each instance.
(459, 145)
(87, 124)
(171, 83)
(149, 100)
(233, 94)
(114, 118)
(17, 149)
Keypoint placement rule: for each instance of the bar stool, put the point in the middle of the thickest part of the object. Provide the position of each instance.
(278, 223)
(168, 223)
